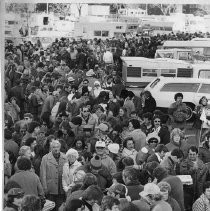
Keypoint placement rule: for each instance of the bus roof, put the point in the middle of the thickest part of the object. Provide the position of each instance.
(186, 44)
(174, 50)
(158, 62)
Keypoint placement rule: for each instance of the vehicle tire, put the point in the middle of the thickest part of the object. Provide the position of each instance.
(190, 109)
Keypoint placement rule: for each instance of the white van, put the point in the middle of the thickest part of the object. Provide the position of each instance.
(139, 71)
(163, 90)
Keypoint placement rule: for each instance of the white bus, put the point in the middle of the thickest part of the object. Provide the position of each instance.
(104, 29)
(137, 72)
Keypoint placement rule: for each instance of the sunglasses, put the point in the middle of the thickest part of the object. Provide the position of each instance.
(157, 121)
(26, 118)
(153, 142)
(86, 111)
(100, 147)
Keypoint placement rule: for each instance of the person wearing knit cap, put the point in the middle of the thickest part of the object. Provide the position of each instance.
(69, 168)
(152, 141)
(104, 178)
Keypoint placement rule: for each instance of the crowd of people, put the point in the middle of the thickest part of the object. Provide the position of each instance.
(76, 139)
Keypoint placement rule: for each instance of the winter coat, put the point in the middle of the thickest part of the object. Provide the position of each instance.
(68, 171)
(143, 154)
(183, 145)
(51, 173)
(201, 204)
(29, 182)
(134, 188)
(204, 153)
(149, 105)
(130, 153)
(177, 191)
(169, 165)
(187, 168)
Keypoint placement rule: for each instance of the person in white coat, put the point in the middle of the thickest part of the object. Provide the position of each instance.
(69, 168)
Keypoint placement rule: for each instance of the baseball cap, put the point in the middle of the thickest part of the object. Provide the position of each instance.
(28, 115)
(114, 148)
(150, 189)
(103, 127)
(18, 192)
(100, 144)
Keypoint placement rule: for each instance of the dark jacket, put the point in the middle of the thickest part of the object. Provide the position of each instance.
(134, 188)
(204, 153)
(174, 204)
(149, 105)
(33, 105)
(177, 191)
(187, 168)
(164, 135)
(153, 158)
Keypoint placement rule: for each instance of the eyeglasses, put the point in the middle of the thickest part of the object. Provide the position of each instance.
(26, 118)
(157, 121)
(85, 111)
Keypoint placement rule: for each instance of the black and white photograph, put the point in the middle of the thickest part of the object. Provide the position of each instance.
(105, 105)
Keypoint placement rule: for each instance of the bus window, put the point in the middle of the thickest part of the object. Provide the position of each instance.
(204, 74)
(134, 72)
(150, 72)
(168, 72)
(105, 33)
(184, 56)
(186, 73)
(97, 33)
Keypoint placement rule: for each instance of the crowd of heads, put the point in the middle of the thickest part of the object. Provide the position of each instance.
(86, 142)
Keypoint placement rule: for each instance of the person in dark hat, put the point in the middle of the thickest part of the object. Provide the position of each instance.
(14, 199)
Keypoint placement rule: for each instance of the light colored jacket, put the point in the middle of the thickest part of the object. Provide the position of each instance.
(130, 153)
(50, 171)
(68, 171)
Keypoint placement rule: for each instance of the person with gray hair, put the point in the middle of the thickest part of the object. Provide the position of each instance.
(51, 170)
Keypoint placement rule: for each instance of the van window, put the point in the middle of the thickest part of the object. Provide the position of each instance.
(180, 87)
(204, 74)
(134, 72)
(150, 72)
(168, 72)
(204, 88)
(185, 73)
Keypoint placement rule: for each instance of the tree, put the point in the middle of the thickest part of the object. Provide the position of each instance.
(161, 9)
(79, 7)
(41, 7)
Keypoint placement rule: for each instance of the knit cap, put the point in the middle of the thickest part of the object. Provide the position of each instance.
(95, 162)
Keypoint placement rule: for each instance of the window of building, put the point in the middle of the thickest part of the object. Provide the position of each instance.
(105, 33)
(97, 33)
